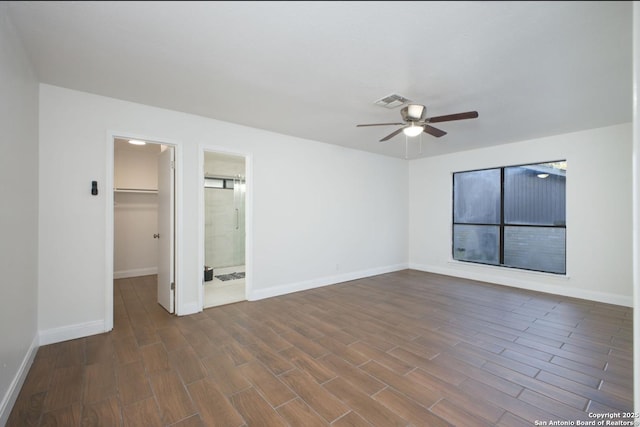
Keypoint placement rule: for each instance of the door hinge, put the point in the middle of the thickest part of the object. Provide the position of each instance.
(173, 164)
(173, 286)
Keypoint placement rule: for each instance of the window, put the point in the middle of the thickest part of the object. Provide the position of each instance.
(212, 182)
(512, 216)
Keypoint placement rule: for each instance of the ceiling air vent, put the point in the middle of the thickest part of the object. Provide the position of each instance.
(392, 101)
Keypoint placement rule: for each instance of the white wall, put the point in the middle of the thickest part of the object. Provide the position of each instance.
(18, 215)
(135, 221)
(321, 213)
(135, 166)
(599, 245)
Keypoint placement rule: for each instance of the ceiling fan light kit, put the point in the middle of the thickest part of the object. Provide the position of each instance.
(413, 130)
(415, 122)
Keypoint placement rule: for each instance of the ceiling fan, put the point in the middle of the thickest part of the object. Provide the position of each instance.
(415, 122)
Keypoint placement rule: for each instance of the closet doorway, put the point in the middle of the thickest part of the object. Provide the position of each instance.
(144, 215)
(224, 229)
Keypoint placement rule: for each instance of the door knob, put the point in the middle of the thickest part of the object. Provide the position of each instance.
(156, 236)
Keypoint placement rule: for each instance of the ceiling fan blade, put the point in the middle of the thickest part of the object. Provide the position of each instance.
(392, 134)
(381, 124)
(451, 117)
(434, 131)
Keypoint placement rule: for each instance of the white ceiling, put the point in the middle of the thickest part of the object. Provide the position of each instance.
(314, 69)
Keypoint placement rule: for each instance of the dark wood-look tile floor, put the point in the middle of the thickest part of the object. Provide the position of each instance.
(399, 349)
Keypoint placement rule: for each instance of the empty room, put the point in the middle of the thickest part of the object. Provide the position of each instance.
(319, 213)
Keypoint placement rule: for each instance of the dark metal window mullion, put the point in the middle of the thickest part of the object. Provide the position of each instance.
(501, 216)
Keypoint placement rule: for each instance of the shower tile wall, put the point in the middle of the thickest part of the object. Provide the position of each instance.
(224, 244)
(220, 223)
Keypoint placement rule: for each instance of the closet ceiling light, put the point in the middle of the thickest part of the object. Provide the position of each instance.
(136, 142)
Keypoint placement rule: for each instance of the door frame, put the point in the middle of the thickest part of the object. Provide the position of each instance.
(248, 217)
(109, 214)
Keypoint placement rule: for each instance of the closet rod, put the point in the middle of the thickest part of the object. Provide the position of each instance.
(135, 190)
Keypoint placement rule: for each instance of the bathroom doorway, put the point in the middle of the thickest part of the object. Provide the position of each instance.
(224, 229)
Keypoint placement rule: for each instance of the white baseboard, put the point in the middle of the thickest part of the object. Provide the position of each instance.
(136, 272)
(275, 291)
(532, 285)
(12, 393)
(71, 332)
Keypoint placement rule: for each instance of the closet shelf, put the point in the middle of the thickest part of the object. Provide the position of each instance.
(134, 190)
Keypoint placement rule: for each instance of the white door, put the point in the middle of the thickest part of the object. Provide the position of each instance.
(166, 281)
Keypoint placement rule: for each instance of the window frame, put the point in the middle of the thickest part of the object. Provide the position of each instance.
(501, 224)
(218, 183)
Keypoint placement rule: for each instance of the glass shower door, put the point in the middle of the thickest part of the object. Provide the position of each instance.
(239, 232)
(224, 222)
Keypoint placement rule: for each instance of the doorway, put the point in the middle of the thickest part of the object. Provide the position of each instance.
(224, 229)
(144, 214)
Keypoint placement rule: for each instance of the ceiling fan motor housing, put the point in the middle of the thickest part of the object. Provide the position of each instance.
(413, 112)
